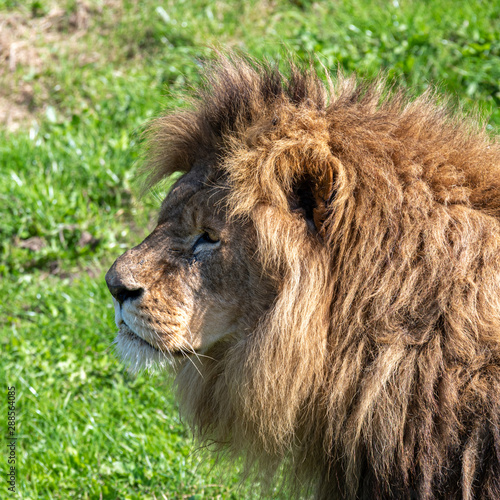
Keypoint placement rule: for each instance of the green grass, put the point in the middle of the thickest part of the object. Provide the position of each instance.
(86, 428)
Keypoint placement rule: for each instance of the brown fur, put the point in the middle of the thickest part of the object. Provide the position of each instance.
(373, 368)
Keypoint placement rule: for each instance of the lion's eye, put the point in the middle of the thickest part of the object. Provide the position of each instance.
(205, 241)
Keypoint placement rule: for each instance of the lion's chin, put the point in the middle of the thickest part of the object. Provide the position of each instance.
(138, 354)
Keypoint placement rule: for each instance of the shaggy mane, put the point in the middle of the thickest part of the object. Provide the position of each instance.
(376, 373)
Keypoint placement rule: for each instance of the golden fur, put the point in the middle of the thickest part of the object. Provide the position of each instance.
(370, 224)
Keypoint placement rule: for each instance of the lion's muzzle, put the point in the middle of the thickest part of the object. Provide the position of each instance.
(121, 280)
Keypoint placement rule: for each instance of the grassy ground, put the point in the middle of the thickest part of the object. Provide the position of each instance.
(77, 82)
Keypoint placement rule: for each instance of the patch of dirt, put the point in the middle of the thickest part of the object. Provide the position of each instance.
(12, 115)
(35, 244)
(54, 269)
(29, 45)
(87, 239)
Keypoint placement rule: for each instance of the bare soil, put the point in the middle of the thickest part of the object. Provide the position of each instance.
(31, 45)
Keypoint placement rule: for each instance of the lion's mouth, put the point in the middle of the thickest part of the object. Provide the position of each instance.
(128, 332)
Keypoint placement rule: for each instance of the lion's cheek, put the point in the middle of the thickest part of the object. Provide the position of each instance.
(210, 325)
(202, 322)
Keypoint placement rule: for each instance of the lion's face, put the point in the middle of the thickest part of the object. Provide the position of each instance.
(184, 289)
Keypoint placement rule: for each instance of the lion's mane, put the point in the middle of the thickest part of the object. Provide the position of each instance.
(376, 372)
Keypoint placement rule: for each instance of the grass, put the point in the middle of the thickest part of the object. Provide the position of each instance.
(91, 75)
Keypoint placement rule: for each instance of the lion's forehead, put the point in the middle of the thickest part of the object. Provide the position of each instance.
(192, 207)
(177, 201)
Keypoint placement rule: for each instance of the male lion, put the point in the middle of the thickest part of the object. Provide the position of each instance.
(325, 280)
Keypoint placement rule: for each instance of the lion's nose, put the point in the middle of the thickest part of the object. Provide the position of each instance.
(122, 293)
(119, 288)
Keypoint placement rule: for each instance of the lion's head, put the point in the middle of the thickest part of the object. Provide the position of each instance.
(188, 286)
(325, 279)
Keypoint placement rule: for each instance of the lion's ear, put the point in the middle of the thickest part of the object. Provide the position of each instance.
(311, 196)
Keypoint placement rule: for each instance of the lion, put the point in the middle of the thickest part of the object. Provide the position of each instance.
(324, 278)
